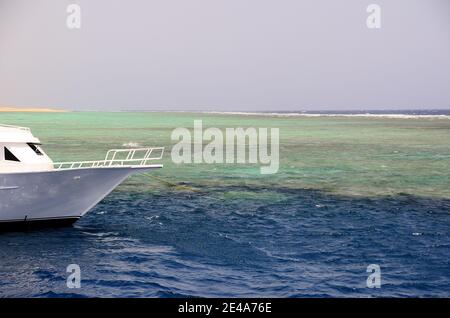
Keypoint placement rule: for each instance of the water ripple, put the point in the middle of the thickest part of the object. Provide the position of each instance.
(298, 243)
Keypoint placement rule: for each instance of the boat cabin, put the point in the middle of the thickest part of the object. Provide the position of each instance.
(20, 151)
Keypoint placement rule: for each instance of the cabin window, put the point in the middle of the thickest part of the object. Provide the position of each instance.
(9, 155)
(35, 149)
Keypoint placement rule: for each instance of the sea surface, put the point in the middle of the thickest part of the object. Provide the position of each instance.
(351, 191)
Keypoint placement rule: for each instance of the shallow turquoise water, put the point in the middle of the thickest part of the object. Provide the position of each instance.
(351, 156)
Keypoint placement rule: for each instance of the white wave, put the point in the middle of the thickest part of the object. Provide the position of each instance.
(397, 116)
(130, 144)
(305, 114)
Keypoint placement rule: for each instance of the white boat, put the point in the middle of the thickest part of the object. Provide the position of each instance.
(36, 191)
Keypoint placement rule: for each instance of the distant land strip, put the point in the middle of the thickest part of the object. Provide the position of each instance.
(30, 109)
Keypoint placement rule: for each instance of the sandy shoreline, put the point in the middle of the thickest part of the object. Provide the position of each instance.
(30, 109)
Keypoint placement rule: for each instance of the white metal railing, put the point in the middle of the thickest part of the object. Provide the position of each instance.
(137, 157)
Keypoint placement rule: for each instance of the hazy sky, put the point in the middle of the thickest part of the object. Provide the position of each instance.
(225, 55)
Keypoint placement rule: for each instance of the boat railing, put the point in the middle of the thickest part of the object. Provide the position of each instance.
(130, 157)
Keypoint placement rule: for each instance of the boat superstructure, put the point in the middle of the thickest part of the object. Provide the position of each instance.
(34, 189)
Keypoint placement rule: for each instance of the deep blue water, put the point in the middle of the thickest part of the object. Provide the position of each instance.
(168, 244)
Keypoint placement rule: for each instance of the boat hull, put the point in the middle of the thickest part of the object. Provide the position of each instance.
(58, 197)
(36, 224)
